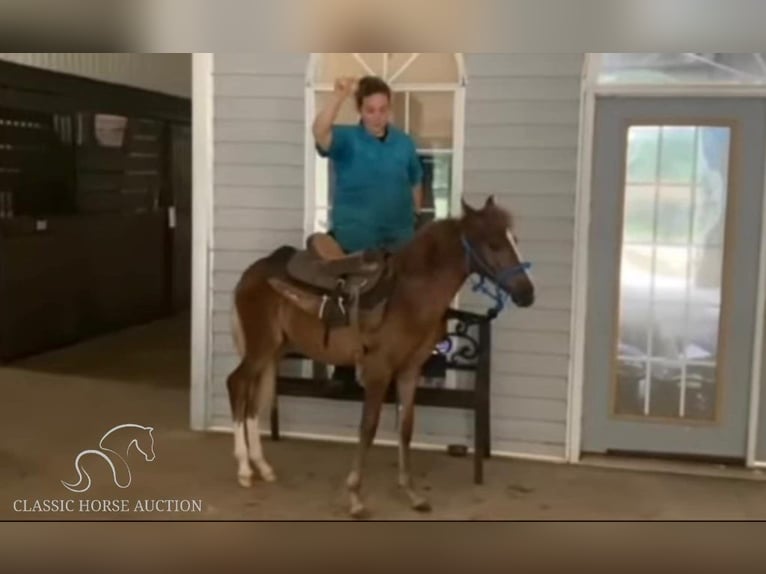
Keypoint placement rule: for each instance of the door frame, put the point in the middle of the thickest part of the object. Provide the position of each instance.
(202, 238)
(590, 91)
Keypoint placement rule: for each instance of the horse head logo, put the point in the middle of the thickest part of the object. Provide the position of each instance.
(123, 437)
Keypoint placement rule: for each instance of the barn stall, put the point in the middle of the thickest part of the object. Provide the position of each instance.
(96, 195)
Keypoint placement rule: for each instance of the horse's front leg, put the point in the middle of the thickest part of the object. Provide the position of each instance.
(375, 391)
(406, 385)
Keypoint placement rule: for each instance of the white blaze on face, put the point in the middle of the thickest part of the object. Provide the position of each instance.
(519, 256)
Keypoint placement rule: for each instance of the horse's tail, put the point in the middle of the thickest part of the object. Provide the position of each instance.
(236, 329)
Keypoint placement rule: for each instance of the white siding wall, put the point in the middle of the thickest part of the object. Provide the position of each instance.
(258, 192)
(166, 73)
(521, 144)
(522, 122)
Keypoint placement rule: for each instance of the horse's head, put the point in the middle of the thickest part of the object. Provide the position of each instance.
(145, 443)
(492, 250)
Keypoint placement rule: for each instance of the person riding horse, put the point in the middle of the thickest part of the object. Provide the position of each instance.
(378, 190)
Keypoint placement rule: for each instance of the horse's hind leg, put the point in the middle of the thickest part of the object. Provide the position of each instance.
(238, 385)
(260, 397)
(250, 392)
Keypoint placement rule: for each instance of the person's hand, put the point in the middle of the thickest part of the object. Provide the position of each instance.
(346, 86)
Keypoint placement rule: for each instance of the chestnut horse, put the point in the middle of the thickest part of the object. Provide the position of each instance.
(427, 273)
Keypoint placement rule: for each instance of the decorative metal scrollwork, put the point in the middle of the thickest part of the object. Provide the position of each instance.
(462, 346)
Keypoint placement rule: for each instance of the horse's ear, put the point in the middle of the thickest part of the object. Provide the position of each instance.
(490, 201)
(467, 209)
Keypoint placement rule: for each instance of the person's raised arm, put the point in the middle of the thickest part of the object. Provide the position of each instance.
(323, 123)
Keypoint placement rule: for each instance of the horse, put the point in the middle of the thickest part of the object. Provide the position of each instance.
(143, 441)
(270, 315)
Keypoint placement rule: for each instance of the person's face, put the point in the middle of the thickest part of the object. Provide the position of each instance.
(375, 113)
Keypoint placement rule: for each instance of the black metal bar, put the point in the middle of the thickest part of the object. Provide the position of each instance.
(478, 440)
(483, 377)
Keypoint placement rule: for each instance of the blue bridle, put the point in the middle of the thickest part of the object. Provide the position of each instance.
(500, 297)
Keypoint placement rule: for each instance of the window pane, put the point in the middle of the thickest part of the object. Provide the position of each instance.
(642, 154)
(702, 333)
(671, 266)
(639, 213)
(701, 391)
(668, 330)
(710, 192)
(674, 214)
(670, 68)
(636, 270)
(425, 68)
(677, 154)
(322, 219)
(635, 321)
(665, 390)
(431, 119)
(347, 114)
(437, 183)
(631, 386)
(399, 110)
(707, 275)
(336, 65)
(671, 269)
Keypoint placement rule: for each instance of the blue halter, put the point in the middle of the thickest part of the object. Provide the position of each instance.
(499, 296)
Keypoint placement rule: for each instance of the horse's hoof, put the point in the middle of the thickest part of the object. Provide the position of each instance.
(421, 505)
(245, 481)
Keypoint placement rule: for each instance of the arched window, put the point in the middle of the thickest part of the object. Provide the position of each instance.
(428, 103)
(698, 68)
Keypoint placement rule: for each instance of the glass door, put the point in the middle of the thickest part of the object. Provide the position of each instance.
(675, 228)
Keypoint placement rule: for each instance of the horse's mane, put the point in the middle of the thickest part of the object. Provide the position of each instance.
(438, 241)
(426, 252)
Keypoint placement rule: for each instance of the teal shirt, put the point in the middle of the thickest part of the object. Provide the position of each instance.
(373, 205)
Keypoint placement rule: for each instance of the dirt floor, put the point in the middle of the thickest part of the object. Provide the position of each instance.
(59, 404)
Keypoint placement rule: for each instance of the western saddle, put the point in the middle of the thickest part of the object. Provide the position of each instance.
(341, 289)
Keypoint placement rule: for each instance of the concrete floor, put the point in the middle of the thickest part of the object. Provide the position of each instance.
(58, 404)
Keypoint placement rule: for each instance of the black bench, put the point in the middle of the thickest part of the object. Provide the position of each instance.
(470, 345)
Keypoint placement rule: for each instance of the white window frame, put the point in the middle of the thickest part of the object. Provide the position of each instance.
(591, 90)
(457, 150)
